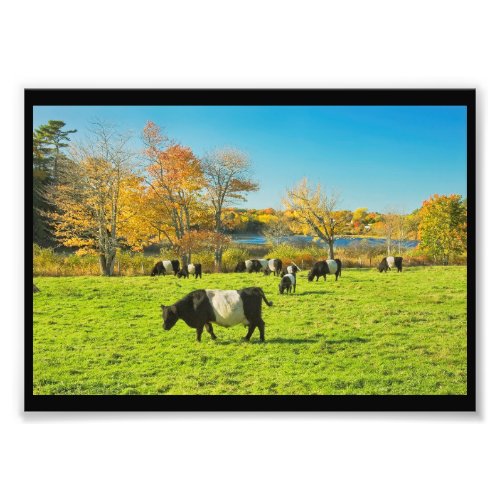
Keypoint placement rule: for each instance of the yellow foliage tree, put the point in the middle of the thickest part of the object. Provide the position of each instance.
(312, 211)
(95, 210)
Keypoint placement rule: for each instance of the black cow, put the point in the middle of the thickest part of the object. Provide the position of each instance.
(324, 267)
(291, 269)
(166, 267)
(226, 308)
(190, 269)
(288, 282)
(387, 263)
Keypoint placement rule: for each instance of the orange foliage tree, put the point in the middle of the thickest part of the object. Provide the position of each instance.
(175, 183)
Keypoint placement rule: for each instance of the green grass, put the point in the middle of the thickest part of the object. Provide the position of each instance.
(368, 333)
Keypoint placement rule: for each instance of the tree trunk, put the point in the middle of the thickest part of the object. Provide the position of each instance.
(218, 260)
(185, 260)
(330, 249)
(107, 264)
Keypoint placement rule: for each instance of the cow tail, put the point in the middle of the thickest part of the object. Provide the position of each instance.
(270, 302)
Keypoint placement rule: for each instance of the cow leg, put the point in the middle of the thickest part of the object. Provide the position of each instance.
(294, 288)
(261, 327)
(209, 328)
(199, 331)
(324, 276)
(251, 329)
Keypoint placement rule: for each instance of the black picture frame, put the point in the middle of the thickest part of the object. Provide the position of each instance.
(130, 97)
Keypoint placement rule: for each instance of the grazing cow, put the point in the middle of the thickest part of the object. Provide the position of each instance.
(190, 269)
(226, 308)
(240, 267)
(256, 265)
(387, 263)
(291, 269)
(166, 267)
(324, 267)
(288, 282)
(274, 266)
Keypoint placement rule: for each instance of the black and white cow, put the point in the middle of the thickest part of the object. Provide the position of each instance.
(190, 269)
(166, 267)
(387, 263)
(240, 267)
(288, 282)
(256, 265)
(226, 308)
(324, 267)
(274, 266)
(291, 269)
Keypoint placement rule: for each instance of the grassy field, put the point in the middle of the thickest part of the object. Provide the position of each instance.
(368, 333)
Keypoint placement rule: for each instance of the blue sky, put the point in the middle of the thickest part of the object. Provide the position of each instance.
(380, 157)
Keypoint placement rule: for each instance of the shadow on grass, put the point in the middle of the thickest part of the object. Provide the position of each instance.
(280, 340)
(351, 340)
(317, 292)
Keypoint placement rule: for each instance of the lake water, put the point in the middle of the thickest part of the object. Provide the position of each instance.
(259, 239)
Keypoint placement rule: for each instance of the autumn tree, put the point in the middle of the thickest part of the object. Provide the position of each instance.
(227, 175)
(443, 226)
(313, 212)
(91, 210)
(175, 183)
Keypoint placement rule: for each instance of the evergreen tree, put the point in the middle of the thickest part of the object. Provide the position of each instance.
(48, 142)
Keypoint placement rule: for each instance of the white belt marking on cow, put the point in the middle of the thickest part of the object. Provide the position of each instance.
(272, 264)
(191, 268)
(292, 278)
(167, 264)
(227, 306)
(390, 261)
(264, 263)
(332, 266)
(248, 263)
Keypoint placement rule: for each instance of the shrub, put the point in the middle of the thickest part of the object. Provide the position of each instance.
(206, 259)
(232, 256)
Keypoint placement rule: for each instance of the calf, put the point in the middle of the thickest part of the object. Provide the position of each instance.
(387, 263)
(288, 282)
(166, 267)
(226, 308)
(291, 269)
(324, 267)
(191, 269)
(274, 266)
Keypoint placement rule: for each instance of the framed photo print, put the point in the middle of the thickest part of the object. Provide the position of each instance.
(270, 250)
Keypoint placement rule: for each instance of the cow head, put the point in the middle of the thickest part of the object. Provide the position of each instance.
(170, 316)
(310, 276)
(281, 288)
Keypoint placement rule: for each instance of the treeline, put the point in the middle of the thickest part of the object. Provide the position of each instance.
(102, 197)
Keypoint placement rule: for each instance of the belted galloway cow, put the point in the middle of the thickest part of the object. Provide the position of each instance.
(226, 308)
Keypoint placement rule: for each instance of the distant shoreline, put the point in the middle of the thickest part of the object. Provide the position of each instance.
(343, 241)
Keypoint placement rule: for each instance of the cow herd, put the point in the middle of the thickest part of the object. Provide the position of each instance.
(201, 308)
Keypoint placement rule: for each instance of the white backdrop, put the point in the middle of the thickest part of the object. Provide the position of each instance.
(251, 44)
